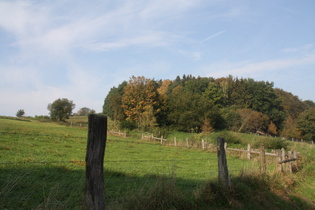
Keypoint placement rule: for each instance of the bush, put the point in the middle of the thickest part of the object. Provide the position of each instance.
(127, 125)
(161, 131)
(271, 143)
(229, 137)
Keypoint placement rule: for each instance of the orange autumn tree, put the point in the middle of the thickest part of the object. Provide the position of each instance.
(139, 102)
(253, 121)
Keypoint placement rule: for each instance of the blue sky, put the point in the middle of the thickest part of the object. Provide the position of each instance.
(80, 49)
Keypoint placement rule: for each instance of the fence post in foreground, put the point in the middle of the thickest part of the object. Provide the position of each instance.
(94, 186)
(262, 159)
(161, 139)
(224, 177)
(175, 143)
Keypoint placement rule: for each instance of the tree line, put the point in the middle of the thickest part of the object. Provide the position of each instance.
(205, 104)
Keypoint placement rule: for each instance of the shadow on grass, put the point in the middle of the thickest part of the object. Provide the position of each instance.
(62, 187)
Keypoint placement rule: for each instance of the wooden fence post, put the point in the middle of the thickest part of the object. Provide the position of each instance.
(295, 166)
(279, 159)
(290, 163)
(283, 158)
(187, 142)
(262, 159)
(248, 153)
(94, 185)
(203, 144)
(175, 143)
(161, 139)
(222, 164)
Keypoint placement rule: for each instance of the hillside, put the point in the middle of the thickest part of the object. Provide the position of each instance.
(42, 167)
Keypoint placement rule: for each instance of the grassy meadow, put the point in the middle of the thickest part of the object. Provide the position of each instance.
(43, 167)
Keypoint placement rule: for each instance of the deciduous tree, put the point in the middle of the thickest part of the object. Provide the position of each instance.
(306, 124)
(113, 103)
(61, 109)
(20, 113)
(253, 121)
(84, 111)
(140, 97)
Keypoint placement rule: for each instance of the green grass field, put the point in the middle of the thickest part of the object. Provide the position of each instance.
(42, 167)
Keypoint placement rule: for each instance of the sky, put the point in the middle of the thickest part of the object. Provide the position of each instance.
(80, 49)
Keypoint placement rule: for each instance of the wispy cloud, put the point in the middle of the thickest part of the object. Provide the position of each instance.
(245, 68)
(301, 49)
(212, 36)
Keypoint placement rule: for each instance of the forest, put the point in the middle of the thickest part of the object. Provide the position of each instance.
(206, 104)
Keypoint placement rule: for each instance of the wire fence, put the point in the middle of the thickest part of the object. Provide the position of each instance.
(108, 140)
(169, 163)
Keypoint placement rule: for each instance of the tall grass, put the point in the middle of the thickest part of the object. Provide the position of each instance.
(48, 172)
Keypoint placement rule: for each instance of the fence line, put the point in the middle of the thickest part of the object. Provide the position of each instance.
(119, 133)
(203, 145)
(151, 137)
(110, 161)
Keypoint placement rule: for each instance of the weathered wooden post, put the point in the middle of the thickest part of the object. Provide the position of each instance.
(262, 159)
(187, 142)
(279, 159)
(161, 139)
(223, 177)
(283, 158)
(203, 144)
(295, 166)
(248, 152)
(94, 185)
(175, 143)
(290, 163)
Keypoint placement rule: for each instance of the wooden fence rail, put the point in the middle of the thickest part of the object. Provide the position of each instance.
(118, 133)
(151, 137)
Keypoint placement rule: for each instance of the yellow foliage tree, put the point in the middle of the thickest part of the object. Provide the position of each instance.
(139, 101)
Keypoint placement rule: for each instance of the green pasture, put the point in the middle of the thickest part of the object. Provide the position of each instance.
(42, 167)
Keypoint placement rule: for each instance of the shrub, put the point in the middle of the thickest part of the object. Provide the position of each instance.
(271, 143)
(230, 138)
(129, 125)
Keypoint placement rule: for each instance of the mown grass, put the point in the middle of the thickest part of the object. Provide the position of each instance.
(42, 167)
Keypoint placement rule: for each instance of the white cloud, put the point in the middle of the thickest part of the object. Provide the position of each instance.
(301, 49)
(246, 67)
